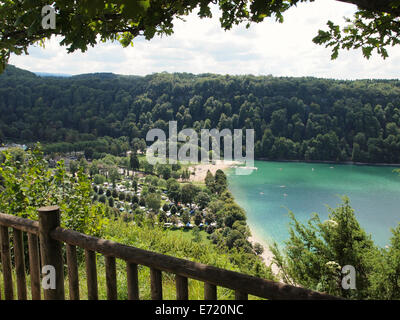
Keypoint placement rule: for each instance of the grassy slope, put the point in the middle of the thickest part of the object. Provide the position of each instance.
(177, 243)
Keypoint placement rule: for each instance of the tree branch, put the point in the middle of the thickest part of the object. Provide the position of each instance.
(375, 6)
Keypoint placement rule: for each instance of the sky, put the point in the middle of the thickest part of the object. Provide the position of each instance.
(202, 46)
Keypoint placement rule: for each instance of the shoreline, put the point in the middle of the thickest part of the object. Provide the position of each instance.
(200, 171)
(332, 162)
(267, 255)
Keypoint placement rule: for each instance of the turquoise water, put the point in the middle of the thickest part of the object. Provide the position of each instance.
(277, 187)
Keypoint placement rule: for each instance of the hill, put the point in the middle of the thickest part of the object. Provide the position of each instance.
(294, 118)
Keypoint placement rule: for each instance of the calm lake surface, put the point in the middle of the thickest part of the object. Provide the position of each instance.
(276, 187)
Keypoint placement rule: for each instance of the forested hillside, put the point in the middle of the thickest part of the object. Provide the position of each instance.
(294, 118)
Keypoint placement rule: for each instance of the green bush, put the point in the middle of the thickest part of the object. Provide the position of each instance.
(28, 184)
(99, 179)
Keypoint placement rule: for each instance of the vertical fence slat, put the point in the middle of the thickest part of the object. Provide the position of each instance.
(156, 284)
(73, 277)
(133, 282)
(6, 263)
(182, 292)
(34, 266)
(111, 278)
(210, 291)
(91, 275)
(19, 264)
(51, 251)
(239, 295)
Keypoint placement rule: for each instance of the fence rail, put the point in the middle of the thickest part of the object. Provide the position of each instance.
(47, 238)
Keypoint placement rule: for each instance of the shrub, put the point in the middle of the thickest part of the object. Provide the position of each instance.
(114, 193)
(165, 207)
(99, 179)
(29, 183)
(135, 199)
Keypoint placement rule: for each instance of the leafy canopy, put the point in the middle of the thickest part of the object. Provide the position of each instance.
(85, 23)
(370, 30)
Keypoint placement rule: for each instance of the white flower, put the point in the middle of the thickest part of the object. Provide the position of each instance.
(332, 265)
(332, 223)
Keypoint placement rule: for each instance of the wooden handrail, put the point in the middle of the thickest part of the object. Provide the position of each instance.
(22, 224)
(221, 277)
(210, 275)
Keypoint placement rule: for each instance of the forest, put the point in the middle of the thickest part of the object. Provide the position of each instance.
(294, 118)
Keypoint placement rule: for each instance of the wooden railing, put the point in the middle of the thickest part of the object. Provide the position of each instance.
(47, 238)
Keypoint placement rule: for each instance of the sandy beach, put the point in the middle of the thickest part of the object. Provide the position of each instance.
(267, 254)
(200, 170)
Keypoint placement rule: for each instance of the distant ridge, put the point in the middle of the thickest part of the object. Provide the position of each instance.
(57, 75)
(12, 71)
(99, 75)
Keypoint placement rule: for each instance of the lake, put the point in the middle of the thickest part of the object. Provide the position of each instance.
(303, 188)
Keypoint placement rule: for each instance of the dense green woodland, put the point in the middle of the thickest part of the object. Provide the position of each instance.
(294, 118)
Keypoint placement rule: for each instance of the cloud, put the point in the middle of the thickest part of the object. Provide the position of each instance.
(201, 45)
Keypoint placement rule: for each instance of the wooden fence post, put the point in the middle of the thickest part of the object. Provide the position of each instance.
(241, 295)
(210, 291)
(34, 266)
(50, 249)
(156, 284)
(19, 261)
(111, 278)
(133, 282)
(73, 275)
(182, 292)
(91, 275)
(6, 263)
